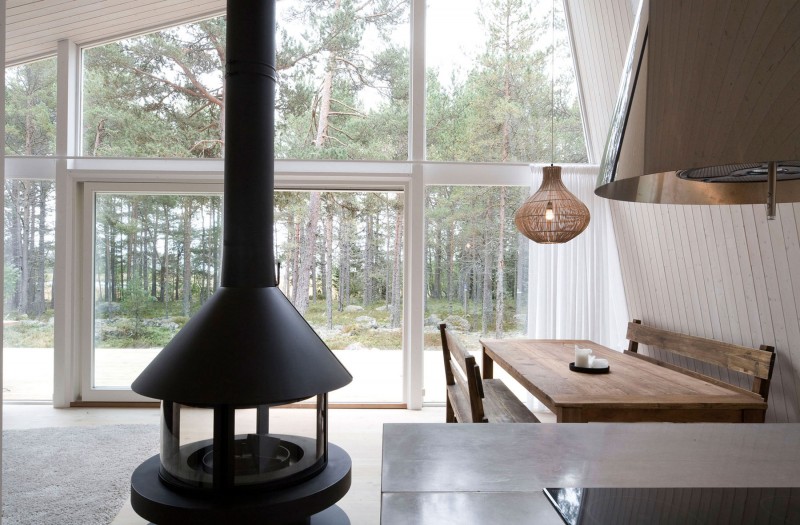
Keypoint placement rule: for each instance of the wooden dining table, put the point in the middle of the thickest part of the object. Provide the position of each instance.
(633, 390)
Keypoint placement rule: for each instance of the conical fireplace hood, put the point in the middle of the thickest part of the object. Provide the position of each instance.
(247, 345)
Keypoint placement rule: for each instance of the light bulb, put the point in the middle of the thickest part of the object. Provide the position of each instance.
(548, 213)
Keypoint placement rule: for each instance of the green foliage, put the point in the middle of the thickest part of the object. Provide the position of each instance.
(28, 334)
(135, 302)
(347, 331)
(125, 334)
(157, 95)
(30, 108)
(503, 108)
(11, 275)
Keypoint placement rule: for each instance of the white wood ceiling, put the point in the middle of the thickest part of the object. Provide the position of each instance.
(34, 27)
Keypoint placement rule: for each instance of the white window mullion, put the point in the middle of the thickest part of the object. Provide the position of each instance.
(66, 290)
(416, 114)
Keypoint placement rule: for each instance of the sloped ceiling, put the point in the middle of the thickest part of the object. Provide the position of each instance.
(34, 27)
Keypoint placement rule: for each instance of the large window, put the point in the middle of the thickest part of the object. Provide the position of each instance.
(342, 90)
(489, 95)
(150, 120)
(157, 260)
(28, 289)
(476, 270)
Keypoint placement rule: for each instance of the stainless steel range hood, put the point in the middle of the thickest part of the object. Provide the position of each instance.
(709, 97)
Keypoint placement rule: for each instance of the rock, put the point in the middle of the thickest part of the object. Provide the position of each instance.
(433, 320)
(365, 321)
(381, 308)
(353, 308)
(457, 322)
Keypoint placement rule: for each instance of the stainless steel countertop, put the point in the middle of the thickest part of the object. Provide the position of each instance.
(435, 470)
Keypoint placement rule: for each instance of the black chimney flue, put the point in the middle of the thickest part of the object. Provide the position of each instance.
(249, 97)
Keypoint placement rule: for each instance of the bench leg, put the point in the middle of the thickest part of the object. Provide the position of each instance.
(449, 416)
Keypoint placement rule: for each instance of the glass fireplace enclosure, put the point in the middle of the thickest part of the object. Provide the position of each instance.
(224, 447)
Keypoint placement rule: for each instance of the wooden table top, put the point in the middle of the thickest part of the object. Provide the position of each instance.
(542, 367)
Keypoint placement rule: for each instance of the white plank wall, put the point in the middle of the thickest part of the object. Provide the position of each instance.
(599, 31)
(35, 27)
(722, 272)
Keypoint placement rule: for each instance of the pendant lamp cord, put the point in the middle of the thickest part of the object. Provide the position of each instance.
(552, 82)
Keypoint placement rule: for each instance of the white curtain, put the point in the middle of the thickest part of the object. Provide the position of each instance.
(575, 288)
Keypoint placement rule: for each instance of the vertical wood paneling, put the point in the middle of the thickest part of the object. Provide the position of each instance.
(723, 272)
(599, 31)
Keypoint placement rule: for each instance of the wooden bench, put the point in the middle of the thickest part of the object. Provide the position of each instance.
(471, 399)
(754, 362)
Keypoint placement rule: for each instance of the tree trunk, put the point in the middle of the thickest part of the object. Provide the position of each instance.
(165, 264)
(395, 313)
(13, 188)
(307, 253)
(486, 299)
(154, 256)
(451, 250)
(500, 286)
(133, 217)
(39, 304)
(521, 298)
(187, 255)
(99, 133)
(329, 267)
(25, 269)
(295, 257)
(344, 259)
(368, 259)
(436, 291)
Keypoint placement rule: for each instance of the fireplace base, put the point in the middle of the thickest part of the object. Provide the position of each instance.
(310, 502)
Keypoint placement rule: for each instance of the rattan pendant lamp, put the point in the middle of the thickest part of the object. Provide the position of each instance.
(552, 215)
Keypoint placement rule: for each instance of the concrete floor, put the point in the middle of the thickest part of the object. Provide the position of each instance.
(358, 431)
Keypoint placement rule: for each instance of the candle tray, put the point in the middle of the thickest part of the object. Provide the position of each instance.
(584, 370)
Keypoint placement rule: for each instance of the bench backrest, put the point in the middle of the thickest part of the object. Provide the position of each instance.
(755, 362)
(463, 377)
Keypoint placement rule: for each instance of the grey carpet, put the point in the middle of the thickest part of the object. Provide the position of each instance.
(71, 475)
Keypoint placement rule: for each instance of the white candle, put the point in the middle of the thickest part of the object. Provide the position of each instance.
(600, 363)
(582, 356)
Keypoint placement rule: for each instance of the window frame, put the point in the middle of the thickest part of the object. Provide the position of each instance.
(76, 177)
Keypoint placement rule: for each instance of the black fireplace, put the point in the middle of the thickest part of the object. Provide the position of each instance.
(247, 350)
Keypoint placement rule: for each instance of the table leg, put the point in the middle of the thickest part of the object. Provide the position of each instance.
(753, 416)
(569, 415)
(487, 365)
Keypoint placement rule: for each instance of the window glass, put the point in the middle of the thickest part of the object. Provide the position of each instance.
(28, 290)
(489, 83)
(343, 80)
(156, 95)
(476, 273)
(342, 89)
(157, 261)
(31, 108)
